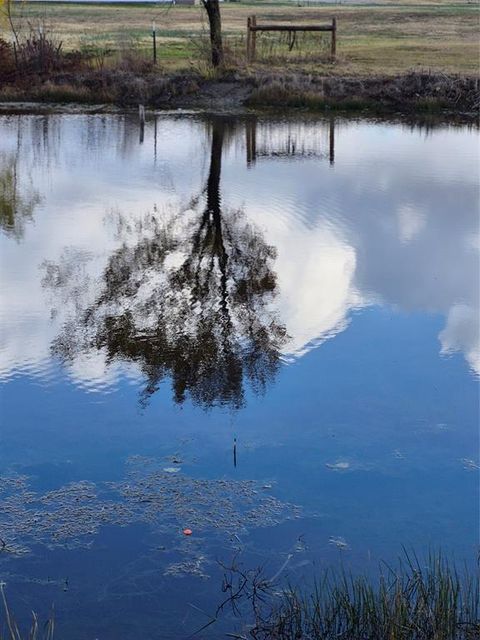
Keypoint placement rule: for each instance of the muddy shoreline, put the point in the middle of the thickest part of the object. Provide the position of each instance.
(414, 94)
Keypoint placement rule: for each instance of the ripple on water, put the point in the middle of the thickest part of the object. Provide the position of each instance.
(44, 372)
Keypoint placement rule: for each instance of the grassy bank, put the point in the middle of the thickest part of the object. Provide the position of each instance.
(385, 38)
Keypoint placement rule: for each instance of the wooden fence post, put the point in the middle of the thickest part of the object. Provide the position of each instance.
(291, 29)
(331, 150)
(254, 39)
(141, 117)
(253, 140)
(334, 38)
(154, 42)
(249, 136)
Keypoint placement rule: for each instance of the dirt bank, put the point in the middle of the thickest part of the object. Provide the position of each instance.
(409, 93)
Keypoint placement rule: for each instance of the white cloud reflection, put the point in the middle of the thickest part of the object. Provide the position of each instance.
(394, 222)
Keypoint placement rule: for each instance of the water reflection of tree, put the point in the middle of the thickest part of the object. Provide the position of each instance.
(16, 205)
(189, 299)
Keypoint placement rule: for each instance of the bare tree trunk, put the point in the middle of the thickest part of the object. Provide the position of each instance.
(212, 8)
(8, 13)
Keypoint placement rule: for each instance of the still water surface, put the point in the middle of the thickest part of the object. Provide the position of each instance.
(263, 330)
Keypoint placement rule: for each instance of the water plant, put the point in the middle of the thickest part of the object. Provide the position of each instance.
(34, 633)
(414, 600)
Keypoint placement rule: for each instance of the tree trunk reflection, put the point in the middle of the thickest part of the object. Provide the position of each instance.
(190, 300)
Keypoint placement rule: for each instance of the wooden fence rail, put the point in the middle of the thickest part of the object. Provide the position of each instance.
(253, 28)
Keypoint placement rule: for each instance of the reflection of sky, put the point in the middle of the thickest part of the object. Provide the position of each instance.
(377, 262)
(392, 223)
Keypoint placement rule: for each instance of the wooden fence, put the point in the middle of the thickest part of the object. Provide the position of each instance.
(253, 28)
(261, 144)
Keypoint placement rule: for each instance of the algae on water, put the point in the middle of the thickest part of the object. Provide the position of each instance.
(70, 516)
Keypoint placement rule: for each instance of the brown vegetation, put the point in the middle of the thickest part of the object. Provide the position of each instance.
(43, 65)
(134, 82)
(423, 91)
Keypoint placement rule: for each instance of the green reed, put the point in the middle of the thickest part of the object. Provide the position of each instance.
(11, 630)
(414, 600)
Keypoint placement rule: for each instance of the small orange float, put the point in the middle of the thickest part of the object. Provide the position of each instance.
(187, 532)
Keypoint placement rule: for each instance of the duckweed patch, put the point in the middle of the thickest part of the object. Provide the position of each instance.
(71, 515)
(230, 506)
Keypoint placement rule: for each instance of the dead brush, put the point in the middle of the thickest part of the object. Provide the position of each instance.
(39, 53)
(7, 61)
(130, 58)
(95, 57)
(233, 53)
(292, 48)
(201, 63)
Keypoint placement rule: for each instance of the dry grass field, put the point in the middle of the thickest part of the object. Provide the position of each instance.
(378, 38)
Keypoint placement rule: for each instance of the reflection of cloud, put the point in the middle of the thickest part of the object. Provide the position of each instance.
(315, 313)
(315, 270)
(411, 222)
(394, 222)
(397, 210)
(80, 185)
(462, 333)
(95, 373)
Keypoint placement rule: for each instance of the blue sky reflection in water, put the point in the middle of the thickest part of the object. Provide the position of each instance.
(306, 287)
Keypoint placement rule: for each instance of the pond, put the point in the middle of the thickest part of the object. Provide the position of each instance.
(263, 330)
